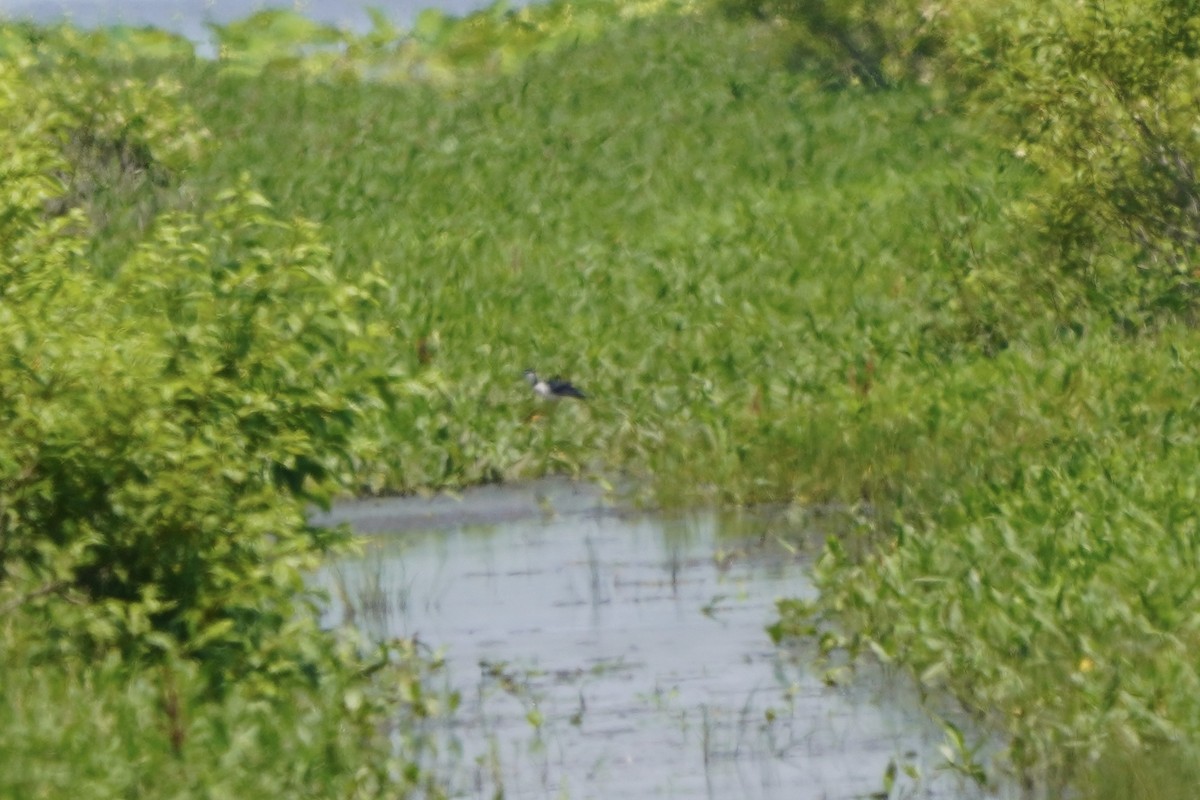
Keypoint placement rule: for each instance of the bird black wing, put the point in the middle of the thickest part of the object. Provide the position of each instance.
(565, 389)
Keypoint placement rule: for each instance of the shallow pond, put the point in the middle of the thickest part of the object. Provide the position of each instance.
(601, 654)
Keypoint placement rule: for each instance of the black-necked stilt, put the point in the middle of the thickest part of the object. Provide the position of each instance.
(553, 388)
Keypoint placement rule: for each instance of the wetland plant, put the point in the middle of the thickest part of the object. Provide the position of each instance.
(786, 288)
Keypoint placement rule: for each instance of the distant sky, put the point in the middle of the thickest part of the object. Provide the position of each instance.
(187, 17)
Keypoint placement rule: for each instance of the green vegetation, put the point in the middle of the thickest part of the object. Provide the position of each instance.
(164, 419)
(941, 275)
(675, 258)
(115, 731)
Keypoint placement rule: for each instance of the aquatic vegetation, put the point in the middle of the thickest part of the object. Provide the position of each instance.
(725, 275)
(770, 291)
(1051, 589)
(114, 730)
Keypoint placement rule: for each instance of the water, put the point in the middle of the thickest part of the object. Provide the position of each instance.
(189, 18)
(608, 655)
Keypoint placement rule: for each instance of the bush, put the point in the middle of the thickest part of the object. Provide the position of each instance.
(164, 422)
(860, 42)
(1101, 97)
(1097, 96)
(162, 427)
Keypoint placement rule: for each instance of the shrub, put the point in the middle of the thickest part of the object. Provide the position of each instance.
(162, 427)
(863, 42)
(164, 421)
(1101, 96)
(1098, 96)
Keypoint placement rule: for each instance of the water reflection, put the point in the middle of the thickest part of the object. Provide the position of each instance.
(603, 655)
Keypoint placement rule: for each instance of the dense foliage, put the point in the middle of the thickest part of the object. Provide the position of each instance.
(163, 423)
(876, 44)
(1050, 587)
(1104, 94)
(961, 308)
(1098, 96)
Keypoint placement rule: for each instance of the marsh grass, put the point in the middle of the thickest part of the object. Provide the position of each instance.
(771, 293)
(1166, 771)
(1051, 588)
(110, 729)
(741, 271)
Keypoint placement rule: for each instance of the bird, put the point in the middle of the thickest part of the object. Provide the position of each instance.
(554, 388)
